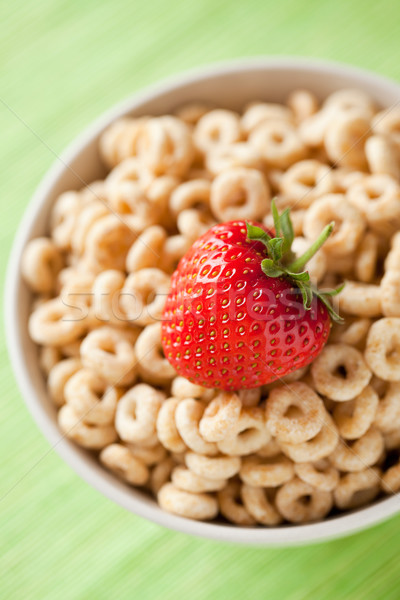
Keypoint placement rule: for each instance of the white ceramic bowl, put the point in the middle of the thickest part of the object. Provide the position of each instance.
(230, 85)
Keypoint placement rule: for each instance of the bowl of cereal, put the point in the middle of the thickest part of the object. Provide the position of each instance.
(305, 456)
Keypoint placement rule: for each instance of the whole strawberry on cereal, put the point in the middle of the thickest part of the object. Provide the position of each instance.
(242, 311)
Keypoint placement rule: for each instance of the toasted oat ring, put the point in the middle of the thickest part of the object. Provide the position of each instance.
(249, 436)
(250, 397)
(258, 113)
(58, 376)
(221, 417)
(327, 378)
(216, 467)
(63, 218)
(217, 127)
(382, 351)
(353, 333)
(110, 354)
(240, 154)
(108, 242)
(192, 223)
(259, 506)
(361, 299)
(278, 143)
(240, 193)
(270, 449)
(290, 504)
(105, 297)
(136, 415)
(174, 248)
(90, 436)
(231, 505)
(143, 296)
(149, 455)
(146, 251)
(366, 258)
(191, 112)
(152, 364)
(40, 264)
(184, 479)
(190, 194)
(355, 417)
(350, 224)
(119, 140)
(303, 104)
(388, 411)
(160, 474)
(378, 199)
(357, 489)
(120, 459)
(188, 415)
(49, 356)
(308, 415)
(382, 156)
(321, 446)
(187, 504)
(345, 138)
(363, 452)
(391, 480)
(390, 291)
(304, 182)
(91, 398)
(266, 472)
(392, 439)
(320, 474)
(182, 388)
(167, 431)
(85, 220)
(55, 323)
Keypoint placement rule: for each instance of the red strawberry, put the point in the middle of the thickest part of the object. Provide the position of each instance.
(239, 313)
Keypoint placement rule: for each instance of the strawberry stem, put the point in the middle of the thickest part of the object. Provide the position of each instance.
(302, 260)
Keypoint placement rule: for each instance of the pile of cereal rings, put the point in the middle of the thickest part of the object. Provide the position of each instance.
(323, 439)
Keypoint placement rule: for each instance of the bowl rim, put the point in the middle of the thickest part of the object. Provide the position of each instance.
(335, 527)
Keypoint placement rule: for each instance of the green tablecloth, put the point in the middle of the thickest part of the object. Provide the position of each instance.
(61, 64)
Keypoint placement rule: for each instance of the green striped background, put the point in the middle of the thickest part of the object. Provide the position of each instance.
(61, 64)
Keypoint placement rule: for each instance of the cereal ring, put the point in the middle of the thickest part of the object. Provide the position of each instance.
(351, 101)
(261, 112)
(340, 372)
(388, 411)
(186, 504)
(353, 332)
(119, 140)
(152, 364)
(217, 127)
(221, 417)
(190, 194)
(387, 122)
(259, 506)
(135, 419)
(192, 112)
(363, 452)
(278, 143)
(355, 417)
(110, 354)
(320, 474)
(392, 261)
(91, 398)
(121, 461)
(174, 248)
(234, 155)
(63, 218)
(303, 104)
(299, 502)
(366, 257)
(167, 431)
(106, 293)
(266, 472)
(40, 264)
(381, 352)
(240, 194)
(160, 474)
(143, 296)
(271, 448)
(108, 242)
(192, 223)
(390, 294)
(250, 434)
(146, 251)
(188, 415)
(231, 505)
(392, 439)
(294, 413)
(250, 397)
(165, 146)
(182, 388)
(149, 455)
(58, 376)
(191, 482)
(49, 356)
(304, 182)
(377, 197)
(90, 436)
(344, 140)
(348, 231)
(216, 467)
(391, 480)
(85, 220)
(321, 446)
(382, 156)
(54, 323)
(361, 299)
(356, 489)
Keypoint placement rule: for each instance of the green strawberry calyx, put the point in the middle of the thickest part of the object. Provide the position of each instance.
(281, 260)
